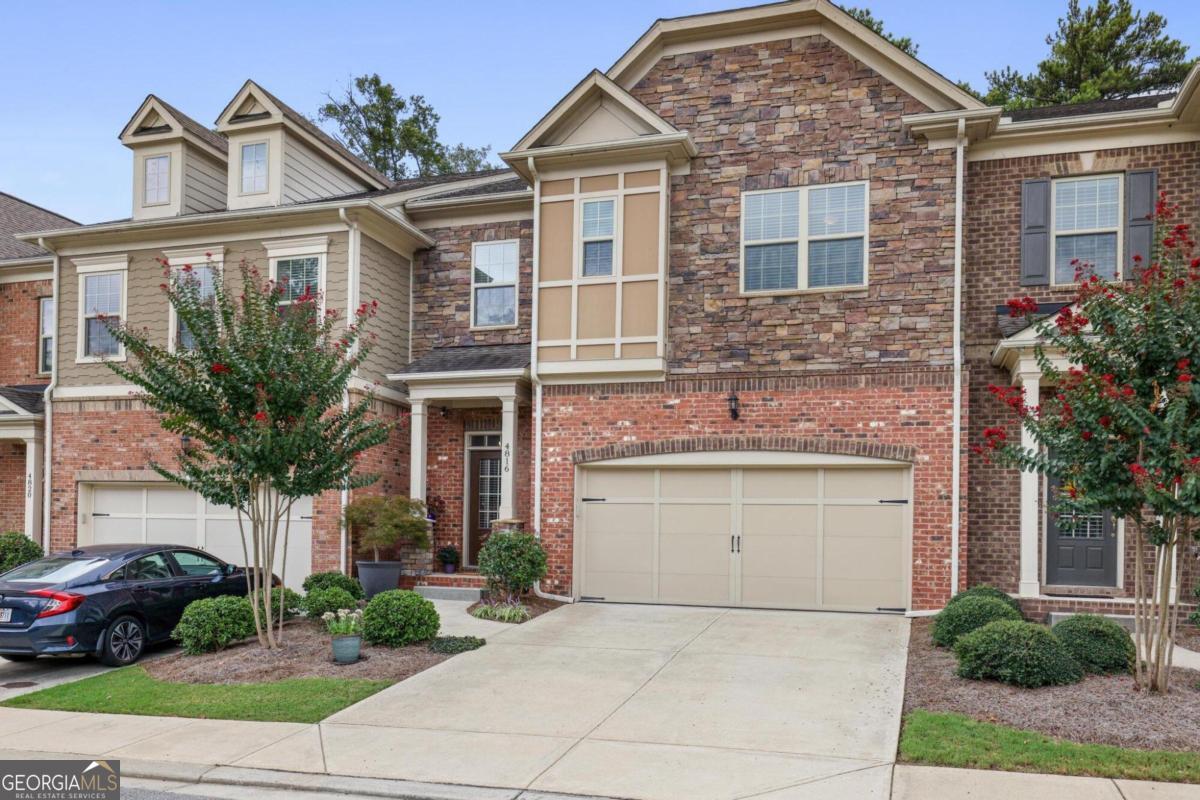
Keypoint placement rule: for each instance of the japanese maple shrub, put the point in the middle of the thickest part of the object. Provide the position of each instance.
(257, 392)
(1122, 427)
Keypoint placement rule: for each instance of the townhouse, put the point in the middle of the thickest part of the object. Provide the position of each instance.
(719, 332)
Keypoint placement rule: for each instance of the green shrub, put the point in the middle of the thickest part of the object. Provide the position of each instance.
(330, 580)
(293, 603)
(1098, 644)
(397, 617)
(318, 601)
(983, 590)
(501, 612)
(17, 549)
(1017, 652)
(452, 645)
(214, 623)
(968, 614)
(512, 562)
(1194, 617)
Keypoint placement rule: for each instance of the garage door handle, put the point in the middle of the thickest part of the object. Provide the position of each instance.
(895, 502)
(594, 499)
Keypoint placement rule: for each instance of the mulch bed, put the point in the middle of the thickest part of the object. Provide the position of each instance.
(305, 653)
(1099, 709)
(1188, 636)
(536, 605)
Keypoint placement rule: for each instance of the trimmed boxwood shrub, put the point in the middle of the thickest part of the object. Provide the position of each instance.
(17, 549)
(1016, 652)
(968, 614)
(319, 601)
(330, 580)
(983, 590)
(292, 603)
(214, 623)
(512, 562)
(399, 617)
(1097, 643)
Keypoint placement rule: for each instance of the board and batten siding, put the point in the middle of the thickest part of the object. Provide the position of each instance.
(308, 176)
(146, 306)
(204, 183)
(384, 277)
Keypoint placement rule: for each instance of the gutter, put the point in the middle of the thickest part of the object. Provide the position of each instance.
(352, 272)
(956, 452)
(48, 424)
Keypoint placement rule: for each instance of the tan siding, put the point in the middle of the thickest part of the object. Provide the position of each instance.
(307, 176)
(639, 247)
(204, 183)
(555, 231)
(384, 278)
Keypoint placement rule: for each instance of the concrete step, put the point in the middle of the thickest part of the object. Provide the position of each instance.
(468, 594)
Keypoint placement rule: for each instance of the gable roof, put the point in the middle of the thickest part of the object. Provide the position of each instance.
(155, 105)
(22, 400)
(306, 126)
(786, 20)
(18, 216)
(1093, 107)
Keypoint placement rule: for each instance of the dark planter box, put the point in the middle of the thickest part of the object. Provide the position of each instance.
(379, 576)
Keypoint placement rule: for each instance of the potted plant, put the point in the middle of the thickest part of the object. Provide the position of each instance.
(345, 627)
(383, 524)
(449, 557)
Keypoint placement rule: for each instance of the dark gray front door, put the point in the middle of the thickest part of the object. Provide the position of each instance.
(1083, 553)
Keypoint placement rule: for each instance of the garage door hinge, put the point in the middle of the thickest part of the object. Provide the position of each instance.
(895, 502)
(892, 610)
(99, 513)
(587, 598)
(593, 499)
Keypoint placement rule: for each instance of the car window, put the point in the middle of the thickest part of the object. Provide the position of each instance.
(53, 569)
(148, 568)
(193, 563)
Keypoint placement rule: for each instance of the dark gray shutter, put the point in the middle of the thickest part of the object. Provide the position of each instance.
(1035, 232)
(1141, 191)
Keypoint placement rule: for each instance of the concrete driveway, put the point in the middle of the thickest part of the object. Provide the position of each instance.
(648, 702)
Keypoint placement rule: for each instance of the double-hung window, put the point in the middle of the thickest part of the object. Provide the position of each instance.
(297, 277)
(494, 267)
(599, 232)
(812, 237)
(1087, 227)
(203, 275)
(156, 189)
(254, 168)
(45, 334)
(103, 305)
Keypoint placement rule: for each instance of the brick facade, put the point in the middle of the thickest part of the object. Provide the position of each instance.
(12, 486)
(19, 326)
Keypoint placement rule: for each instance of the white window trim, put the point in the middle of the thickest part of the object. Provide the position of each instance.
(308, 247)
(615, 238)
(516, 284)
(146, 183)
(242, 167)
(100, 265)
(802, 240)
(1119, 229)
(43, 336)
(194, 256)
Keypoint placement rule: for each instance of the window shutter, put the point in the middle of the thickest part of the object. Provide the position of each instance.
(1035, 232)
(1141, 190)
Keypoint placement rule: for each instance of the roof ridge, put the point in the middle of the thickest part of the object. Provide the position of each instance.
(43, 209)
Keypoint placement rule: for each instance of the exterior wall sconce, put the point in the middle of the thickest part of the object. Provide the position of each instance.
(185, 443)
(735, 406)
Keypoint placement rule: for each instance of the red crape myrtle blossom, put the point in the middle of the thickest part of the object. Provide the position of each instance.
(1121, 429)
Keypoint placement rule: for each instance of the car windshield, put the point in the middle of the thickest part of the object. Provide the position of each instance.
(54, 569)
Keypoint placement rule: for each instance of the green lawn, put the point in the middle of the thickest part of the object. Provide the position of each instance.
(131, 691)
(952, 740)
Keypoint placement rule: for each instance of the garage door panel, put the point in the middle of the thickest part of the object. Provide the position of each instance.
(874, 483)
(714, 484)
(171, 500)
(181, 531)
(613, 483)
(876, 520)
(693, 589)
(779, 483)
(780, 592)
(779, 556)
(863, 594)
(116, 531)
(629, 587)
(117, 500)
(779, 520)
(706, 518)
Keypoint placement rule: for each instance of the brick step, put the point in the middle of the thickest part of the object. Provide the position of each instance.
(472, 580)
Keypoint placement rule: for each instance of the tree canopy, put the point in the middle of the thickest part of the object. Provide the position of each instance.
(396, 135)
(865, 16)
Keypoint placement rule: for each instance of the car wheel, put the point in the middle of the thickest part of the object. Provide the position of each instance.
(124, 643)
(17, 657)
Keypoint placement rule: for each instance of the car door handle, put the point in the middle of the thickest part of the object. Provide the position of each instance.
(141, 587)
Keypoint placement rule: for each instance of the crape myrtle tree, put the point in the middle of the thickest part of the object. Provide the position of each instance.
(1122, 427)
(256, 391)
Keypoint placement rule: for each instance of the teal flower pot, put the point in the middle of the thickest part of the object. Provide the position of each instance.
(346, 649)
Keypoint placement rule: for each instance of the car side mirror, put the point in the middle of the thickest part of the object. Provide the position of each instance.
(230, 569)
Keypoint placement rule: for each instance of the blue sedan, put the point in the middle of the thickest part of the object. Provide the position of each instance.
(110, 601)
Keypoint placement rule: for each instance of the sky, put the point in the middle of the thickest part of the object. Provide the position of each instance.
(491, 69)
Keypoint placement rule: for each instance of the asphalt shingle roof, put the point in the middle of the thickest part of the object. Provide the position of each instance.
(473, 358)
(513, 184)
(1083, 109)
(214, 138)
(1009, 324)
(18, 216)
(28, 396)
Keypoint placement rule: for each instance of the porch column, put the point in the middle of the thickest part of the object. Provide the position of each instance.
(1030, 582)
(417, 447)
(33, 489)
(508, 457)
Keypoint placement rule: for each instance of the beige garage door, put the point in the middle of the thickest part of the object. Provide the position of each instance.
(167, 514)
(778, 537)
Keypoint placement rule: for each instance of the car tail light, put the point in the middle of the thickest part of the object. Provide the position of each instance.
(60, 602)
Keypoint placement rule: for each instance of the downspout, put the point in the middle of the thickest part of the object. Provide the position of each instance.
(537, 384)
(956, 451)
(48, 406)
(352, 269)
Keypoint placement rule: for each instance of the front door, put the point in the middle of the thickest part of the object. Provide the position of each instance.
(483, 499)
(1080, 550)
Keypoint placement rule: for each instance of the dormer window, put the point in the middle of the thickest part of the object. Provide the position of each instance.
(254, 168)
(157, 184)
